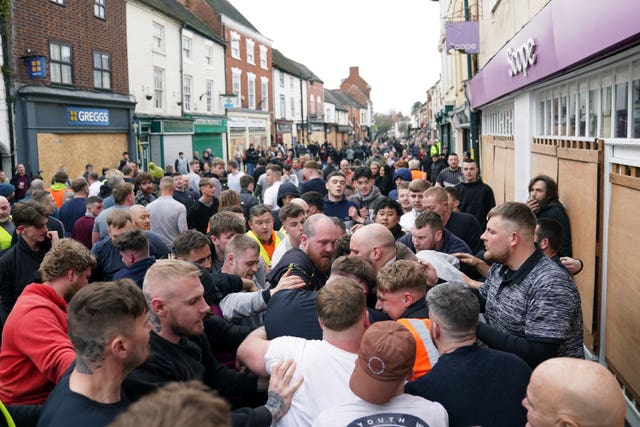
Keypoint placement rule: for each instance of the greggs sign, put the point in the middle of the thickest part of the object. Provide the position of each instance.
(77, 116)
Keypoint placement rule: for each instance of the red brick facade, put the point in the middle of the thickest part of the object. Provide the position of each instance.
(35, 23)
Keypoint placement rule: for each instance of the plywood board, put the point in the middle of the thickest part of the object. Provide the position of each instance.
(499, 174)
(74, 151)
(623, 293)
(578, 190)
(509, 174)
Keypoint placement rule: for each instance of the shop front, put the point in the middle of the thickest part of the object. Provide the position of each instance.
(247, 127)
(57, 127)
(209, 133)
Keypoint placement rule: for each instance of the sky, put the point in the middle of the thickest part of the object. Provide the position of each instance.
(394, 43)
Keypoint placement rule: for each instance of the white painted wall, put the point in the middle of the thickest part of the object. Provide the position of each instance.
(200, 71)
(290, 90)
(142, 59)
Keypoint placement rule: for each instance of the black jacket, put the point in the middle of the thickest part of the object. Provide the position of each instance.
(18, 268)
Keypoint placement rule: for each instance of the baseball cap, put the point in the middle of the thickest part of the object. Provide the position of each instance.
(387, 354)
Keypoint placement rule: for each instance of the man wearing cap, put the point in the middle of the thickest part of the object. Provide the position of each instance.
(385, 359)
(400, 175)
(325, 365)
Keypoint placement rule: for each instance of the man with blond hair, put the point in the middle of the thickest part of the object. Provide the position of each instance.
(180, 351)
(36, 350)
(416, 195)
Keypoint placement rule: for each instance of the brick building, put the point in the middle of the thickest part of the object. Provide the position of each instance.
(70, 96)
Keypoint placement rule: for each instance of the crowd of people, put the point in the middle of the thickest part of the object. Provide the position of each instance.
(378, 284)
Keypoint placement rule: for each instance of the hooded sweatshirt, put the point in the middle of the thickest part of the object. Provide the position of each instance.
(36, 349)
(368, 201)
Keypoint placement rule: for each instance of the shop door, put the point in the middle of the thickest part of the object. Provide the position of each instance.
(208, 140)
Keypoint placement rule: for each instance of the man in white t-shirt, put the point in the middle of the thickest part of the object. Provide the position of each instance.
(385, 360)
(325, 365)
(234, 175)
(273, 175)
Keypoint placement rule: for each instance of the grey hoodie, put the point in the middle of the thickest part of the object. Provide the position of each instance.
(368, 201)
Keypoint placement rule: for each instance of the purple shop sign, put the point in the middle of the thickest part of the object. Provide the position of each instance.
(557, 39)
(463, 36)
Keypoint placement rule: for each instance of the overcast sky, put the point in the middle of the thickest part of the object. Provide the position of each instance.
(395, 43)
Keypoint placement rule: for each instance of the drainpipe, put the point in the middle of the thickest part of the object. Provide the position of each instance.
(7, 87)
(182, 27)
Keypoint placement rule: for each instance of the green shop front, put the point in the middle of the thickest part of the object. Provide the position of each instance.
(209, 133)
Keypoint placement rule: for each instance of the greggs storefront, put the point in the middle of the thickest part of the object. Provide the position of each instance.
(56, 127)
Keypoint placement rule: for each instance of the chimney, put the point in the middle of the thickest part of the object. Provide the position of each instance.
(354, 71)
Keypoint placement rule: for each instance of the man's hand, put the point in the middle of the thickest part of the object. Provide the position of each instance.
(432, 274)
(533, 204)
(281, 389)
(480, 265)
(470, 282)
(53, 236)
(355, 215)
(248, 285)
(288, 281)
(572, 264)
(364, 213)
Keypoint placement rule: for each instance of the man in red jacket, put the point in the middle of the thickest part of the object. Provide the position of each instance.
(36, 349)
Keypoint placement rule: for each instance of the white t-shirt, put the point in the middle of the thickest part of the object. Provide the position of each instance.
(94, 188)
(408, 220)
(402, 410)
(233, 181)
(326, 370)
(271, 197)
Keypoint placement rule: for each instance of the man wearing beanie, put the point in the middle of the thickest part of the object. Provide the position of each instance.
(385, 359)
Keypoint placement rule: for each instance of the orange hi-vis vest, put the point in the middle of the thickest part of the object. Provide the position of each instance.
(426, 352)
(277, 238)
(418, 174)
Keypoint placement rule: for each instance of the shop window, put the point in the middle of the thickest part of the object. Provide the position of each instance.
(60, 63)
(582, 112)
(541, 118)
(606, 112)
(571, 118)
(592, 112)
(636, 109)
(563, 115)
(556, 116)
(622, 110)
(101, 70)
(98, 9)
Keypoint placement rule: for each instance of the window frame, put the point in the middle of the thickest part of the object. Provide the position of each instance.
(235, 45)
(102, 70)
(209, 95)
(187, 47)
(187, 92)
(158, 90)
(99, 5)
(160, 48)
(60, 63)
(250, 45)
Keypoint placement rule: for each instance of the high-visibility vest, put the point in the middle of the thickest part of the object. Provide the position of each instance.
(263, 252)
(426, 352)
(417, 174)
(5, 238)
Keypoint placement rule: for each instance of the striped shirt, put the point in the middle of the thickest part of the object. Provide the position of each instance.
(539, 302)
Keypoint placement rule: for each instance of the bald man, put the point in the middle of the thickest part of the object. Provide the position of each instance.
(6, 225)
(375, 243)
(573, 392)
(141, 217)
